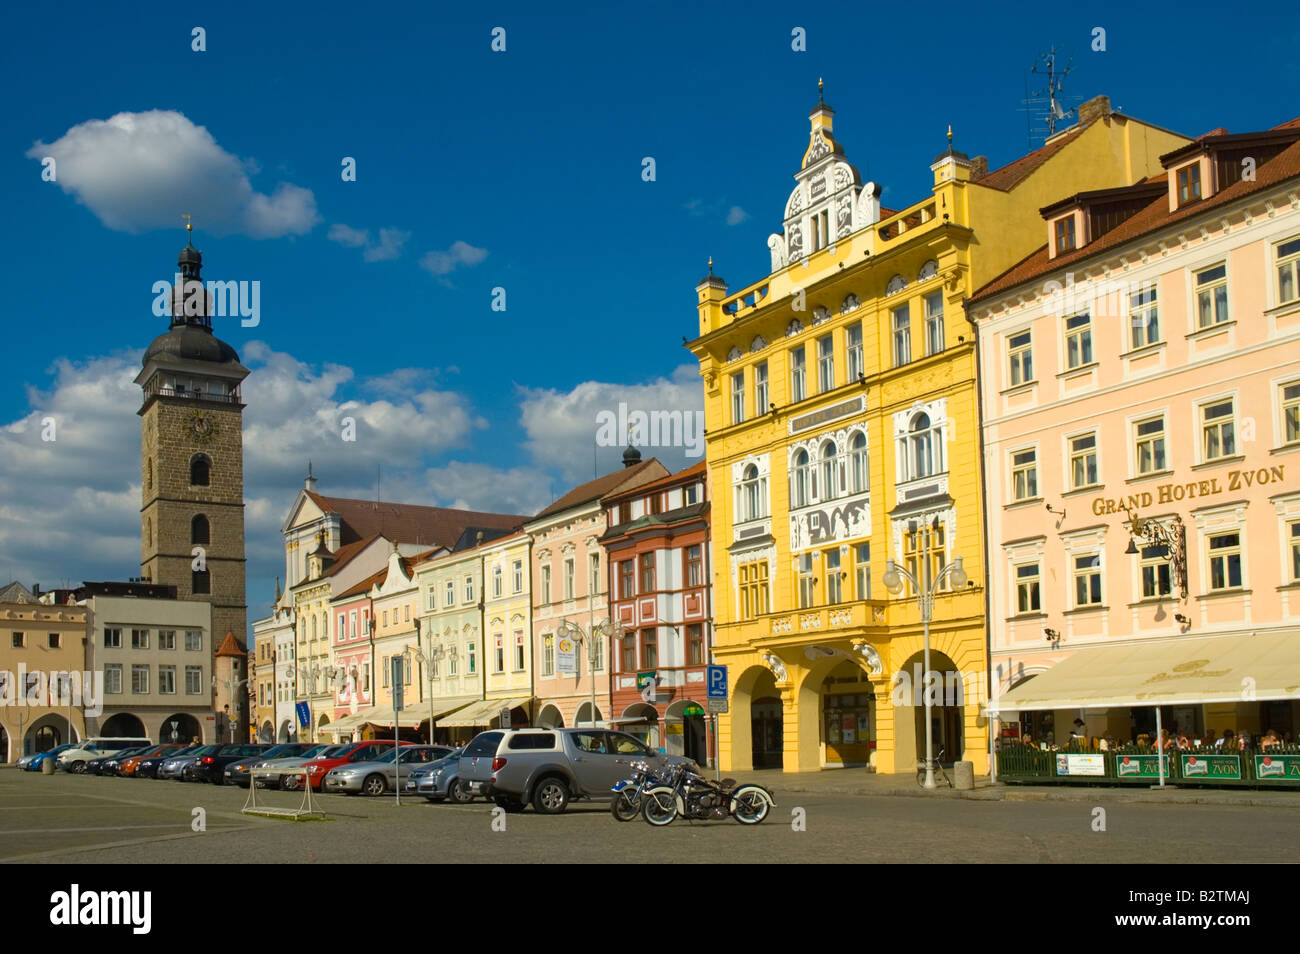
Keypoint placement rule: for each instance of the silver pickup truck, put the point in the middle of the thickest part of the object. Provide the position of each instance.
(551, 767)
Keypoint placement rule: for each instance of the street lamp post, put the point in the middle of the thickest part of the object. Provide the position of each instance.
(600, 630)
(893, 579)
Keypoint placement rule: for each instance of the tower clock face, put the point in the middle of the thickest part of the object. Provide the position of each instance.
(199, 426)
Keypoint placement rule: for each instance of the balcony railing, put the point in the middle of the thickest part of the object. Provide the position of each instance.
(230, 397)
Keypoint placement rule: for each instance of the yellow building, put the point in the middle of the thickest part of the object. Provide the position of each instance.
(840, 402)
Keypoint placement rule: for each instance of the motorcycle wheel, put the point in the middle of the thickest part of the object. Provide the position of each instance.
(749, 805)
(623, 808)
(659, 806)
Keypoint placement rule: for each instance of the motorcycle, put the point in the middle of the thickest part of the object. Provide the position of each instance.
(626, 804)
(689, 794)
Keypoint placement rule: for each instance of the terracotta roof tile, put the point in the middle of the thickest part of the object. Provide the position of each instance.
(230, 646)
(595, 489)
(1015, 172)
(410, 523)
(696, 469)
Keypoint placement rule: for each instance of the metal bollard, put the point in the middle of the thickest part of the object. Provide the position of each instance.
(963, 776)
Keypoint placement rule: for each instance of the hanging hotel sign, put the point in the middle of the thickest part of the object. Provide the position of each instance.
(1277, 768)
(1210, 766)
(566, 655)
(1191, 490)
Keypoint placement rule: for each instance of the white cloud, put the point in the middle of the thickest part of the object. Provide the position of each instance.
(140, 171)
(736, 215)
(389, 246)
(474, 486)
(562, 426)
(347, 236)
(460, 253)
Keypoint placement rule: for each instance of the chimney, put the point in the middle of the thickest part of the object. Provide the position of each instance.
(1097, 107)
(979, 167)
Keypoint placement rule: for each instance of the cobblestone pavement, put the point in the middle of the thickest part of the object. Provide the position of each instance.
(66, 819)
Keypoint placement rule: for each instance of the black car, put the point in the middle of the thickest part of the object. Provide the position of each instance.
(236, 772)
(148, 768)
(211, 767)
(99, 766)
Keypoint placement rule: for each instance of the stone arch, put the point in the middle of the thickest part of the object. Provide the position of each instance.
(583, 716)
(692, 739)
(125, 725)
(813, 731)
(200, 470)
(286, 731)
(267, 733)
(187, 727)
(951, 699)
(200, 529)
(47, 732)
(756, 686)
(550, 718)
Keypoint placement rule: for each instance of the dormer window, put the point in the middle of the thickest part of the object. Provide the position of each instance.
(1065, 239)
(1189, 183)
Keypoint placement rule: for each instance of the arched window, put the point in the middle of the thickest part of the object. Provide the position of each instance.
(801, 479)
(200, 467)
(924, 455)
(199, 529)
(148, 532)
(830, 483)
(200, 582)
(858, 464)
(313, 627)
(751, 494)
(148, 473)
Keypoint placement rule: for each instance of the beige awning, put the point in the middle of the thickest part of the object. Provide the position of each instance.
(1180, 671)
(482, 712)
(346, 724)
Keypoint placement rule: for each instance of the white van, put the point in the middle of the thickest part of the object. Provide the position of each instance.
(75, 759)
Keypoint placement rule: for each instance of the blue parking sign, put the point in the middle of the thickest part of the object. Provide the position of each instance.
(716, 679)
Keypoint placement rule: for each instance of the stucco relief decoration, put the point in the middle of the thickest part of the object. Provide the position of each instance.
(850, 303)
(928, 271)
(843, 178)
(821, 315)
(734, 353)
(795, 241)
(781, 626)
(776, 246)
(793, 328)
(869, 654)
(896, 285)
(810, 621)
(844, 216)
(774, 663)
(821, 525)
(819, 149)
(795, 205)
(758, 344)
(840, 617)
(817, 186)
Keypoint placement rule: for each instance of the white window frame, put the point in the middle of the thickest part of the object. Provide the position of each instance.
(1069, 459)
(1207, 537)
(1283, 263)
(1076, 573)
(798, 374)
(1076, 332)
(1036, 581)
(825, 364)
(1020, 358)
(738, 397)
(1144, 309)
(1137, 440)
(1210, 287)
(853, 351)
(1014, 470)
(762, 394)
(1202, 406)
(901, 333)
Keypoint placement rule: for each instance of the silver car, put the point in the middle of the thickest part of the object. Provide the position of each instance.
(380, 775)
(173, 767)
(291, 782)
(439, 781)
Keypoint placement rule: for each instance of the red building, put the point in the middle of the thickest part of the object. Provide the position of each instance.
(657, 552)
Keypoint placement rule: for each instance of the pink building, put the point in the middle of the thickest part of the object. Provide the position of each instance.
(353, 650)
(1140, 391)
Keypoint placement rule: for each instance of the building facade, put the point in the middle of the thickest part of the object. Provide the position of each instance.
(1141, 402)
(507, 610)
(451, 623)
(842, 432)
(656, 552)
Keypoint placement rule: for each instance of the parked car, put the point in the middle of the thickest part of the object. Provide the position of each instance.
(211, 766)
(267, 779)
(127, 767)
(112, 764)
(52, 755)
(25, 760)
(96, 765)
(237, 773)
(75, 757)
(380, 775)
(173, 767)
(148, 766)
(550, 767)
(439, 781)
(351, 752)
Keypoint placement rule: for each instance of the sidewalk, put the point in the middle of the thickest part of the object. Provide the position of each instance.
(858, 782)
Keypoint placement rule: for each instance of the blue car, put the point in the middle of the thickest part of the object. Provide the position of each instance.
(35, 764)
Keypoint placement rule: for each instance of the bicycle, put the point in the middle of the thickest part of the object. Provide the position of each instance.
(940, 776)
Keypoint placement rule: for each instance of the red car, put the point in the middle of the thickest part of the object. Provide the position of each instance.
(355, 752)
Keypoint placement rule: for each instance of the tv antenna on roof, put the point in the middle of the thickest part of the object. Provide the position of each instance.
(1046, 105)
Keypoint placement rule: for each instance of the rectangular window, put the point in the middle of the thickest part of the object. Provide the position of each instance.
(1149, 445)
(1225, 561)
(519, 651)
(902, 325)
(1288, 271)
(386, 668)
(1212, 296)
(385, 618)
(1291, 413)
(1293, 535)
(1020, 357)
(1189, 184)
(352, 621)
(598, 651)
(650, 648)
(1087, 580)
(853, 336)
(139, 639)
(517, 576)
(167, 639)
(917, 543)
(469, 592)
(934, 323)
(1154, 563)
(862, 569)
(593, 573)
(52, 641)
(753, 589)
(18, 641)
(834, 578)
(498, 653)
(430, 601)
(1217, 431)
(1028, 591)
(451, 663)
(1078, 341)
(825, 363)
(695, 645)
(695, 565)
(626, 572)
(167, 680)
(546, 584)
(761, 399)
(193, 680)
(1064, 234)
(139, 680)
(471, 665)
(113, 679)
(1024, 474)
(738, 397)
(798, 375)
(647, 572)
(1144, 318)
(628, 653)
(568, 579)
(496, 582)
(193, 640)
(449, 593)
(1083, 461)
(807, 584)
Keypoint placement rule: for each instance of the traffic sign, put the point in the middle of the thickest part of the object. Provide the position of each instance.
(398, 671)
(718, 705)
(716, 679)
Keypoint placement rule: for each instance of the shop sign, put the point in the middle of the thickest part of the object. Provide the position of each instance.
(1071, 764)
(692, 710)
(1277, 767)
(566, 655)
(1139, 766)
(1210, 766)
(718, 705)
(1232, 480)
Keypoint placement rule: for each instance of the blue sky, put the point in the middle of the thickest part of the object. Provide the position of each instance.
(519, 170)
